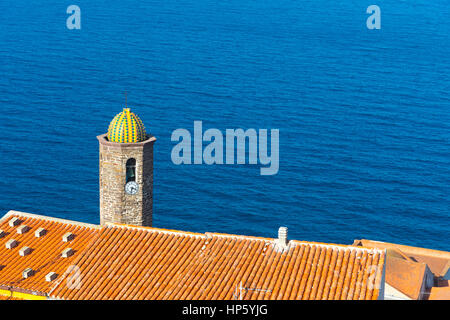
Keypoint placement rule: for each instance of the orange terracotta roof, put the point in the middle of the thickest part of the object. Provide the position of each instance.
(437, 261)
(45, 255)
(128, 262)
(406, 276)
(441, 292)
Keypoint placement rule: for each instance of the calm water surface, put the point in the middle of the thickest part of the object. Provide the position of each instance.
(364, 116)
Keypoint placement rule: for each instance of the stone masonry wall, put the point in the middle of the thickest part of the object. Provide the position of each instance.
(115, 204)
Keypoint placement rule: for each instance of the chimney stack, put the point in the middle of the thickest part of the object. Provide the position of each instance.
(282, 240)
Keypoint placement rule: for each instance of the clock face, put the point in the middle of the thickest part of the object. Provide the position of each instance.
(131, 187)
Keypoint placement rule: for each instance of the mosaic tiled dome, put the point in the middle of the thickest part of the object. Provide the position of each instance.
(126, 127)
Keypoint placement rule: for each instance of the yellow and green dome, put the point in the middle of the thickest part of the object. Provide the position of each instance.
(126, 127)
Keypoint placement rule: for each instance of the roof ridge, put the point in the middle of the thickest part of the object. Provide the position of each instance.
(339, 246)
(413, 250)
(49, 218)
(198, 234)
(168, 231)
(240, 236)
(254, 238)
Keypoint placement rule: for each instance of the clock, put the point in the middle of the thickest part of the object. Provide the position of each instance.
(131, 187)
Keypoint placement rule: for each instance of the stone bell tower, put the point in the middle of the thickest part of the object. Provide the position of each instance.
(126, 171)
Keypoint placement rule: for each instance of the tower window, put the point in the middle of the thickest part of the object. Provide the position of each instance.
(131, 170)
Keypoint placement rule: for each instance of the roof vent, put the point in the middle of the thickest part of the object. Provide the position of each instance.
(22, 229)
(68, 236)
(14, 222)
(24, 251)
(282, 235)
(40, 232)
(67, 253)
(2, 233)
(50, 276)
(28, 272)
(282, 240)
(11, 244)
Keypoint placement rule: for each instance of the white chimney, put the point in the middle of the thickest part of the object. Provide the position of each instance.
(282, 235)
(282, 241)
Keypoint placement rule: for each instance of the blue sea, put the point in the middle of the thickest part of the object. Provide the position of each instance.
(364, 115)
